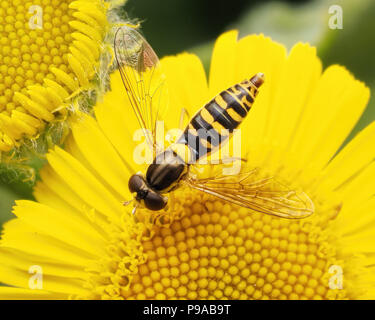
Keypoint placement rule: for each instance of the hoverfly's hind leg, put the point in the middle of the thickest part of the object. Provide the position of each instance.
(232, 165)
(183, 115)
(182, 123)
(232, 159)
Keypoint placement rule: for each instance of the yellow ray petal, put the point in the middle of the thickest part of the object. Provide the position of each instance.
(355, 156)
(360, 222)
(15, 259)
(359, 189)
(41, 247)
(62, 226)
(72, 147)
(84, 183)
(223, 63)
(120, 129)
(187, 86)
(50, 283)
(329, 117)
(59, 187)
(86, 215)
(256, 53)
(300, 76)
(12, 293)
(107, 162)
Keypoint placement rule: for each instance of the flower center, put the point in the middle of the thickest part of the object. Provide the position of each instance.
(36, 36)
(48, 51)
(217, 250)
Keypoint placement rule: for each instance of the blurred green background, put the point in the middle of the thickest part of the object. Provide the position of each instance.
(172, 26)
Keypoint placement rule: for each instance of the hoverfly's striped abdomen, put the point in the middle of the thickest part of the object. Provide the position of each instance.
(216, 121)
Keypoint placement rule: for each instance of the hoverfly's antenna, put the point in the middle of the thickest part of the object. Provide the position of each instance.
(126, 203)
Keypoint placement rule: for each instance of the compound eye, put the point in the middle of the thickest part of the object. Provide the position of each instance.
(135, 183)
(154, 201)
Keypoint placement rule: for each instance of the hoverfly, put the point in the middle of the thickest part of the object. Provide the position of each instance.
(141, 75)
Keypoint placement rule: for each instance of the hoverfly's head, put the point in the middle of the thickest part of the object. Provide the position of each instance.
(145, 195)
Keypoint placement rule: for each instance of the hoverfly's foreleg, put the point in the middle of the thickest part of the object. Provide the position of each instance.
(134, 210)
(170, 200)
(126, 203)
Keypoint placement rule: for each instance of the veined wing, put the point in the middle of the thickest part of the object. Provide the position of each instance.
(265, 195)
(143, 79)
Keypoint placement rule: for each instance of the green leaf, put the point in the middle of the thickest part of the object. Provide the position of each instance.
(287, 23)
(352, 46)
(7, 198)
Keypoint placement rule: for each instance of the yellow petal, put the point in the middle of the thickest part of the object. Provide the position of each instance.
(14, 259)
(329, 116)
(21, 237)
(223, 63)
(355, 156)
(107, 163)
(21, 279)
(297, 82)
(62, 226)
(187, 86)
(84, 183)
(12, 293)
(121, 129)
(257, 53)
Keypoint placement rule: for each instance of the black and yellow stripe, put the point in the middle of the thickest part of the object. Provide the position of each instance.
(216, 121)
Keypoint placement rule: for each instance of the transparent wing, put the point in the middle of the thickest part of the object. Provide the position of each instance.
(143, 79)
(265, 195)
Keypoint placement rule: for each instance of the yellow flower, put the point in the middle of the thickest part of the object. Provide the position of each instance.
(49, 52)
(86, 244)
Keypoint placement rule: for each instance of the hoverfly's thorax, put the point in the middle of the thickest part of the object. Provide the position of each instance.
(166, 171)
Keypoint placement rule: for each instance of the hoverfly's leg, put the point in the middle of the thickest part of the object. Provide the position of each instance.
(183, 121)
(184, 113)
(232, 165)
(168, 200)
(134, 210)
(127, 24)
(232, 159)
(126, 203)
